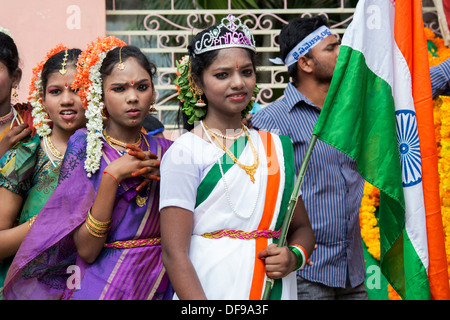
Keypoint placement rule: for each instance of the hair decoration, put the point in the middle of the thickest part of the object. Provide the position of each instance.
(40, 115)
(89, 82)
(192, 106)
(63, 69)
(121, 65)
(212, 40)
(6, 31)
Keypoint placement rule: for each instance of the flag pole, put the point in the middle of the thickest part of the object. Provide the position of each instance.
(290, 209)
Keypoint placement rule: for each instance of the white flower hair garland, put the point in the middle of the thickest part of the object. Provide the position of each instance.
(39, 114)
(89, 81)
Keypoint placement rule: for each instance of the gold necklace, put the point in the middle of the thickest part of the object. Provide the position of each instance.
(225, 136)
(55, 153)
(249, 169)
(120, 143)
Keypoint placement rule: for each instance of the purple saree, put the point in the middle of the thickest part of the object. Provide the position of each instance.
(47, 265)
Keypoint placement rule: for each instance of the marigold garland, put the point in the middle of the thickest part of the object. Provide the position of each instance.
(437, 53)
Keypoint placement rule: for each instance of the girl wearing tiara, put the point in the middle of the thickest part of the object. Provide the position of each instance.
(15, 118)
(29, 171)
(102, 220)
(224, 187)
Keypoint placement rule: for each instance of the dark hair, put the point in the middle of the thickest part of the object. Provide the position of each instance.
(9, 54)
(294, 32)
(113, 57)
(54, 64)
(200, 62)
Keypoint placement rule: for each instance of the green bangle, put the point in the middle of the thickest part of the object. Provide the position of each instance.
(300, 257)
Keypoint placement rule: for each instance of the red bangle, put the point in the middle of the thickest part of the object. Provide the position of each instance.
(112, 176)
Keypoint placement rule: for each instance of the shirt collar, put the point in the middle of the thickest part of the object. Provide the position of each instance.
(293, 97)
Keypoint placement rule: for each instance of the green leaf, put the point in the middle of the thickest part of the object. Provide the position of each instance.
(192, 119)
(199, 112)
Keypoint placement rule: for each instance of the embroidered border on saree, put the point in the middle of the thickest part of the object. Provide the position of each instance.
(128, 244)
(243, 235)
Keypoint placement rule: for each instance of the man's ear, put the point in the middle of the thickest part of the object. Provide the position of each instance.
(305, 64)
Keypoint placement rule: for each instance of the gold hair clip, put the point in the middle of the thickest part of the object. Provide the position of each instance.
(63, 70)
(121, 65)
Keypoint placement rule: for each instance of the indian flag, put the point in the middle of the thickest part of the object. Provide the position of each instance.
(379, 111)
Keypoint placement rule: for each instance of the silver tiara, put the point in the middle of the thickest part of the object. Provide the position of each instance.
(238, 35)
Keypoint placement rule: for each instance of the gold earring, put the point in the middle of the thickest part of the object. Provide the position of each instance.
(152, 109)
(200, 103)
(195, 90)
(15, 95)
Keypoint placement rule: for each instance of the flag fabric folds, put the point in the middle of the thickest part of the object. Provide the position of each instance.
(379, 111)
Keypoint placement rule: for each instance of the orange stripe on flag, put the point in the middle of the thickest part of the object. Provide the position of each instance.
(273, 184)
(410, 38)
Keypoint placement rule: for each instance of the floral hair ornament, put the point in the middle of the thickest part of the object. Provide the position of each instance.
(6, 31)
(40, 115)
(88, 81)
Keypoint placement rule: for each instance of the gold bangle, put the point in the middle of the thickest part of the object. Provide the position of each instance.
(95, 227)
(31, 221)
(97, 222)
(94, 232)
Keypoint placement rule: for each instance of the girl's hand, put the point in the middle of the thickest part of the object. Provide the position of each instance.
(149, 173)
(279, 261)
(13, 136)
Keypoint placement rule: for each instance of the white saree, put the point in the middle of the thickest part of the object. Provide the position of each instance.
(230, 210)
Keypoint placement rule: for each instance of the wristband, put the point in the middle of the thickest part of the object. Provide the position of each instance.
(301, 254)
(111, 176)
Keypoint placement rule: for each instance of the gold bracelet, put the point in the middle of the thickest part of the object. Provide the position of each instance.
(94, 232)
(97, 222)
(95, 227)
(31, 221)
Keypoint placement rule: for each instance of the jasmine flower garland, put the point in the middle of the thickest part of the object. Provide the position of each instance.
(89, 82)
(39, 114)
(95, 119)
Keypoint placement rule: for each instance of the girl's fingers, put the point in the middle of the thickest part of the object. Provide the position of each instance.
(132, 147)
(153, 177)
(138, 154)
(146, 181)
(142, 185)
(152, 155)
(142, 171)
(139, 172)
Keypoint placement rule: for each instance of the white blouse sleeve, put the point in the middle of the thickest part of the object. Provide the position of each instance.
(180, 177)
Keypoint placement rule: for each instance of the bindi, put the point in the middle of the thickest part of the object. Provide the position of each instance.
(237, 65)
